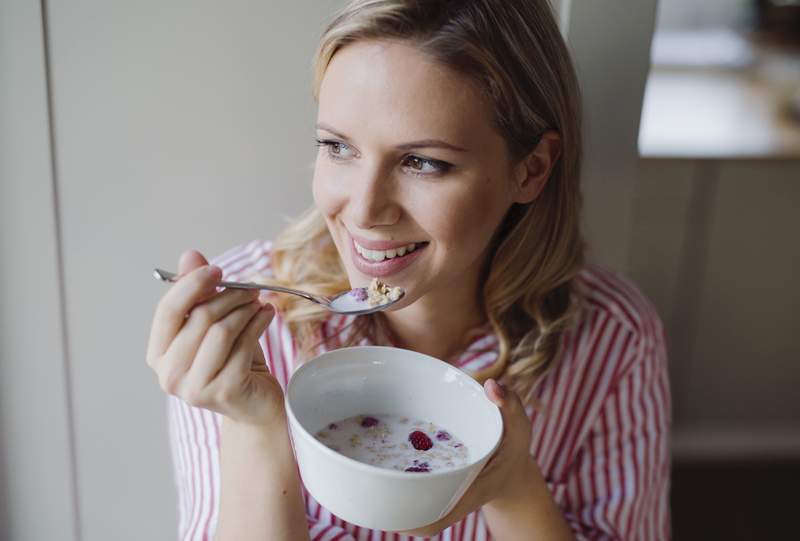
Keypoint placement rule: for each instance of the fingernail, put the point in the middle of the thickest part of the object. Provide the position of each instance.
(214, 271)
(501, 391)
(183, 258)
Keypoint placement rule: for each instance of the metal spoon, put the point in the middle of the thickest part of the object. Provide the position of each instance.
(343, 303)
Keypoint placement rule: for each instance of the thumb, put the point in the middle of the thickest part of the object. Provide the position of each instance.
(496, 393)
(505, 399)
(190, 260)
(510, 404)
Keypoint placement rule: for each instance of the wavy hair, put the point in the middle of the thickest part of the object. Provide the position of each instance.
(514, 53)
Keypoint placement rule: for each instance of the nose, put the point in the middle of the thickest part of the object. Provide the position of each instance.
(372, 201)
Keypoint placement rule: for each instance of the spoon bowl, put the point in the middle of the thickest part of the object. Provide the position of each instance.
(343, 303)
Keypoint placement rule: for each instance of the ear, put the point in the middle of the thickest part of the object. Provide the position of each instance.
(533, 171)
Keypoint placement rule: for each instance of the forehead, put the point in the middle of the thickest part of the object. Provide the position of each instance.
(392, 88)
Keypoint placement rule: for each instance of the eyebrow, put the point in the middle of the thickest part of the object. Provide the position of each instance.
(423, 143)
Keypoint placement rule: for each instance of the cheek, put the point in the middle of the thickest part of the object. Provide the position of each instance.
(328, 201)
(327, 193)
(465, 223)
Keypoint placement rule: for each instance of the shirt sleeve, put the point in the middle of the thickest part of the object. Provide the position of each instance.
(618, 487)
(319, 531)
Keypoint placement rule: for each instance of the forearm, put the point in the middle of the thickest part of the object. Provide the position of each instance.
(260, 491)
(529, 514)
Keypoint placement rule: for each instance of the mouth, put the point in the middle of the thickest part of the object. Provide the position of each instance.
(381, 255)
(391, 259)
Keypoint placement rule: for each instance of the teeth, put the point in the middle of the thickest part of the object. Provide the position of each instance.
(380, 255)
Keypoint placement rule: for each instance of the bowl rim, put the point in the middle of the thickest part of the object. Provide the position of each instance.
(369, 468)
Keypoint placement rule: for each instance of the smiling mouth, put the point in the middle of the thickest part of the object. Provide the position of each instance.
(381, 255)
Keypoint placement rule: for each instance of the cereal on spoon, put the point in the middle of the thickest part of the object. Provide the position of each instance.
(381, 293)
(377, 293)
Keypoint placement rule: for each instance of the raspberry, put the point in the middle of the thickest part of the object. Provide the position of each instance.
(368, 421)
(442, 435)
(359, 293)
(418, 469)
(420, 441)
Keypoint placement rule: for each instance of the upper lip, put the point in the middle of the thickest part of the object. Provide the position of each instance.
(379, 244)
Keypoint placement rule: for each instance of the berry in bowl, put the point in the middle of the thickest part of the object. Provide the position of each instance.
(395, 442)
(387, 438)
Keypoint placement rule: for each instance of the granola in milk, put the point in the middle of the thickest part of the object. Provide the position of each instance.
(380, 293)
(395, 442)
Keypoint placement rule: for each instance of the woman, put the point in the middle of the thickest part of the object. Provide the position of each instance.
(448, 165)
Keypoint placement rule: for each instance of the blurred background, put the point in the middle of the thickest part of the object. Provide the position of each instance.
(715, 243)
(132, 131)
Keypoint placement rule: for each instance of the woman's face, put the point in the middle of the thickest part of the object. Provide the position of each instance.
(411, 175)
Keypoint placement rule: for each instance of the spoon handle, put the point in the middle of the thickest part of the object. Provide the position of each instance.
(167, 276)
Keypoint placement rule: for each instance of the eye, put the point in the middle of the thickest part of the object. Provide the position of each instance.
(425, 166)
(336, 149)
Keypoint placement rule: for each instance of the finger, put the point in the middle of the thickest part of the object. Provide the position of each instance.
(509, 402)
(173, 366)
(240, 361)
(193, 288)
(516, 423)
(258, 363)
(215, 349)
(186, 343)
(190, 260)
(495, 393)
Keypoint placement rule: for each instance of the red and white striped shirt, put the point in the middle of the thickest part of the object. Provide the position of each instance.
(601, 440)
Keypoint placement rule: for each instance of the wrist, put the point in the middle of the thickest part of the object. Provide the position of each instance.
(527, 511)
(265, 434)
(260, 489)
(251, 444)
(522, 488)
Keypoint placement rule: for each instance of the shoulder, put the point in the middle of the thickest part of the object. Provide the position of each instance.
(245, 261)
(618, 297)
(618, 316)
(612, 355)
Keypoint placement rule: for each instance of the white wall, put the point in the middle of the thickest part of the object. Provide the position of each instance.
(179, 124)
(610, 42)
(36, 476)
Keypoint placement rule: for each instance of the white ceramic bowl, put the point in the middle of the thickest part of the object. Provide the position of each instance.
(380, 380)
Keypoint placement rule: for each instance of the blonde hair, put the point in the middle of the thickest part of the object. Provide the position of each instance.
(513, 51)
